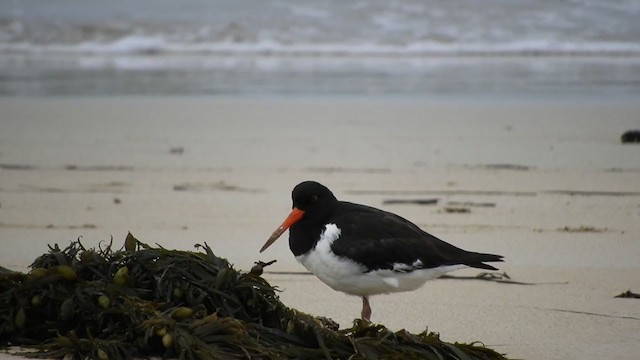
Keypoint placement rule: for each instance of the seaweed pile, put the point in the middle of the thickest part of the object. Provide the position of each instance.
(145, 301)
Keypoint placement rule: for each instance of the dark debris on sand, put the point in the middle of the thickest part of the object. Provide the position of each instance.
(628, 294)
(630, 137)
(144, 301)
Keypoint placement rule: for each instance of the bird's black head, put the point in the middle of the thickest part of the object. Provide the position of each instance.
(313, 198)
(312, 206)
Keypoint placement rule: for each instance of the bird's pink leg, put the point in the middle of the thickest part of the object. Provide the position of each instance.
(366, 309)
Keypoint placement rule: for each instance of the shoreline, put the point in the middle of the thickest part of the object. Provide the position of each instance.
(435, 100)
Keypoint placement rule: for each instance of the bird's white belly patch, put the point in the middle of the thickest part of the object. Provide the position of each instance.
(345, 275)
(337, 272)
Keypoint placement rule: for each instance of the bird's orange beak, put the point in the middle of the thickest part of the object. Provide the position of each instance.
(294, 217)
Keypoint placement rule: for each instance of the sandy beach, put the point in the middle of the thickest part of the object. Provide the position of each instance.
(546, 184)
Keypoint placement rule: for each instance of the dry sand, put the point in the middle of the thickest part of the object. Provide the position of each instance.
(181, 171)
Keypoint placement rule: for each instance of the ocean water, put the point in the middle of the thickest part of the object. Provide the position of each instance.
(488, 48)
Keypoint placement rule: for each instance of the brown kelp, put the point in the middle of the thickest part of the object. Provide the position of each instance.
(150, 301)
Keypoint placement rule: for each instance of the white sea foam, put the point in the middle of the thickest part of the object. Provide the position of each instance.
(328, 28)
(152, 45)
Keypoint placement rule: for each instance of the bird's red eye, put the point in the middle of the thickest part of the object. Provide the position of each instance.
(314, 198)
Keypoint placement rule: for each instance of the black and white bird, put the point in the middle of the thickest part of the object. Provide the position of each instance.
(364, 251)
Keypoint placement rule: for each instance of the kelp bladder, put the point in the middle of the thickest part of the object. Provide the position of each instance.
(150, 301)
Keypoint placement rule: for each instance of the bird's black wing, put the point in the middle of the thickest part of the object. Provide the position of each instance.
(379, 239)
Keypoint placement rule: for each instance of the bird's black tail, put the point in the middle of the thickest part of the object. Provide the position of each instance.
(478, 261)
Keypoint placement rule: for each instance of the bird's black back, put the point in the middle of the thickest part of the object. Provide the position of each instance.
(380, 239)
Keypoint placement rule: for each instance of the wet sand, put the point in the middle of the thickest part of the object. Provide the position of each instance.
(547, 185)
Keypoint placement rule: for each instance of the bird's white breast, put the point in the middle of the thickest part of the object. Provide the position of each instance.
(333, 270)
(345, 275)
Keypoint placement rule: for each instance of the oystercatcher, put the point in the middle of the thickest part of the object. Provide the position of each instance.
(364, 251)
